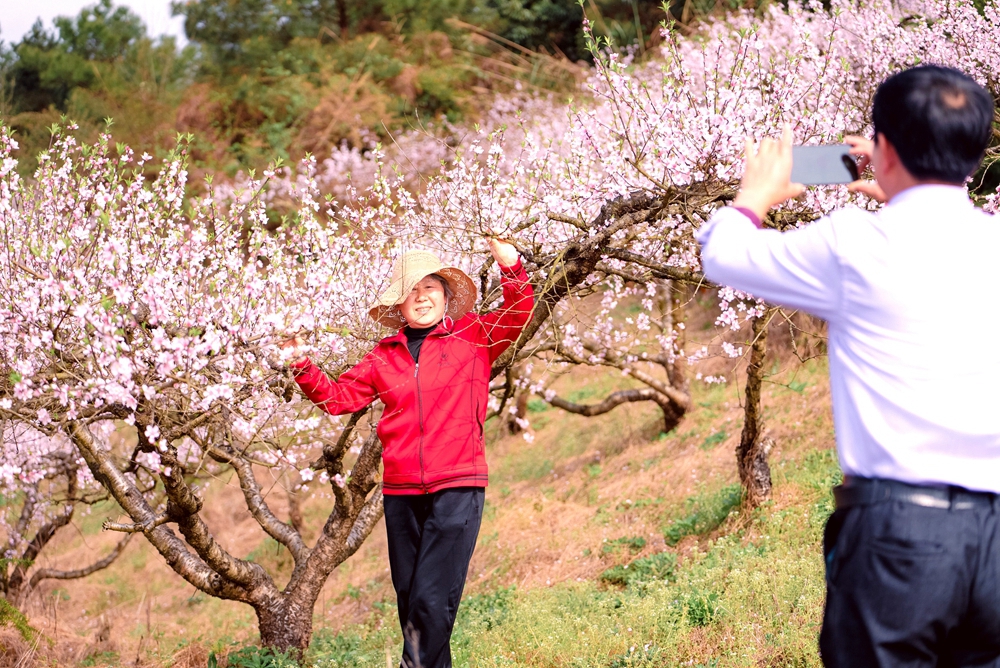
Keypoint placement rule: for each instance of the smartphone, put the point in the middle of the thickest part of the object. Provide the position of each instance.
(823, 165)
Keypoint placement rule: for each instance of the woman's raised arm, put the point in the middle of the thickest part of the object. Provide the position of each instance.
(504, 324)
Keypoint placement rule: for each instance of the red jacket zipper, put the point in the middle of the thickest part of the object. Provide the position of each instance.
(420, 422)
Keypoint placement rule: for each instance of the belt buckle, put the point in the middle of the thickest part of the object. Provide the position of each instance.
(928, 500)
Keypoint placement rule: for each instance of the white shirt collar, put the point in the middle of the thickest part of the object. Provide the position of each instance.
(932, 192)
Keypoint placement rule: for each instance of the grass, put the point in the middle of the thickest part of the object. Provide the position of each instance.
(721, 589)
(745, 592)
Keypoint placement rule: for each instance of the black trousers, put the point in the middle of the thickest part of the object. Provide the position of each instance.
(431, 539)
(909, 585)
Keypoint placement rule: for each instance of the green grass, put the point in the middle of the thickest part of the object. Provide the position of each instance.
(633, 544)
(751, 597)
(707, 511)
(647, 569)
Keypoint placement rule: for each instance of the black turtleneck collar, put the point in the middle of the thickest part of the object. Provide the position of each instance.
(415, 338)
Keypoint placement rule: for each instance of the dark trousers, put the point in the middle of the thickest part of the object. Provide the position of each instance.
(431, 539)
(909, 585)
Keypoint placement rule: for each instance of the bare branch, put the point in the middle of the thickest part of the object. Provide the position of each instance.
(660, 270)
(136, 528)
(172, 548)
(101, 564)
(572, 266)
(610, 402)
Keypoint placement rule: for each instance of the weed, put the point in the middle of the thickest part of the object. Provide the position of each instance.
(537, 405)
(634, 544)
(11, 616)
(259, 657)
(486, 610)
(713, 440)
(798, 386)
(702, 607)
(341, 650)
(656, 567)
(635, 656)
(101, 659)
(708, 513)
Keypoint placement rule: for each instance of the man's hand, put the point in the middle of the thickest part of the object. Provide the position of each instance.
(767, 175)
(504, 253)
(864, 148)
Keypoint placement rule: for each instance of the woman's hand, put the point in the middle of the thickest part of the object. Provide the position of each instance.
(293, 348)
(504, 253)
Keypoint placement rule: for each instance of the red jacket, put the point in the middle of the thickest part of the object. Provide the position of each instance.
(432, 426)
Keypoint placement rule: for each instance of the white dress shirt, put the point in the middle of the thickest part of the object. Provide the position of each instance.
(911, 297)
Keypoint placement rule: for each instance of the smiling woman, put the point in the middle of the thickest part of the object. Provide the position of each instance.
(431, 429)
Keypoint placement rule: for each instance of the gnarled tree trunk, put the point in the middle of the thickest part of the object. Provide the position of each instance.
(752, 451)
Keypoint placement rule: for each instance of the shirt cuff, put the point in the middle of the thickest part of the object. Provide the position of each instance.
(513, 269)
(751, 215)
(300, 367)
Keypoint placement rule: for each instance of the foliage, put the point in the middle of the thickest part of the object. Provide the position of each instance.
(49, 66)
(655, 567)
(98, 65)
(634, 544)
(706, 514)
(557, 25)
(258, 657)
(11, 616)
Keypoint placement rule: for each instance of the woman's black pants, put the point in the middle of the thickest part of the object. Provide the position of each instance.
(431, 539)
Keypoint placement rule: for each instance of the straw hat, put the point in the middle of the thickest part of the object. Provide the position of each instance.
(409, 270)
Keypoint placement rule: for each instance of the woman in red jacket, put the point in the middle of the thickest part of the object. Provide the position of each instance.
(433, 377)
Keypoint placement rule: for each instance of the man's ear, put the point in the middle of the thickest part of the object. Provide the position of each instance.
(890, 158)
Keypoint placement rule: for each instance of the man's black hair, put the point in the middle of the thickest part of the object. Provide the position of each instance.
(938, 119)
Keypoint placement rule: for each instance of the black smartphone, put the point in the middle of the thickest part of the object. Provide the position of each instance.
(823, 165)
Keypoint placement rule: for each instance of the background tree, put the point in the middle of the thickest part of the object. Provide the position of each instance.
(51, 65)
(97, 65)
(43, 482)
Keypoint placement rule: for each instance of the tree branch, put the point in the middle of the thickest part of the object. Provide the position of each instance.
(571, 267)
(261, 512)
(175, 553)
(52, 574)
(610, 402)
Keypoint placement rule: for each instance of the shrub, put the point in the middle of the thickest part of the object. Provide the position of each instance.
(634, 544)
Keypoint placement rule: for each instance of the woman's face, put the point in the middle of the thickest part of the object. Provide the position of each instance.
(425, 304)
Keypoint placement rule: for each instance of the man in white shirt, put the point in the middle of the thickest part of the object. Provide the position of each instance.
(908, 292)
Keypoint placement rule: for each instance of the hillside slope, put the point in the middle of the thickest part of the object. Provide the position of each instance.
(604, 543)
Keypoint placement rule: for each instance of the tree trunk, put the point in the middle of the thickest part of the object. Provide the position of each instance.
(285, 624)
(751, 453)
(343, 21)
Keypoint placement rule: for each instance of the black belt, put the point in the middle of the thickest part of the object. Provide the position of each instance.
(866, 491)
